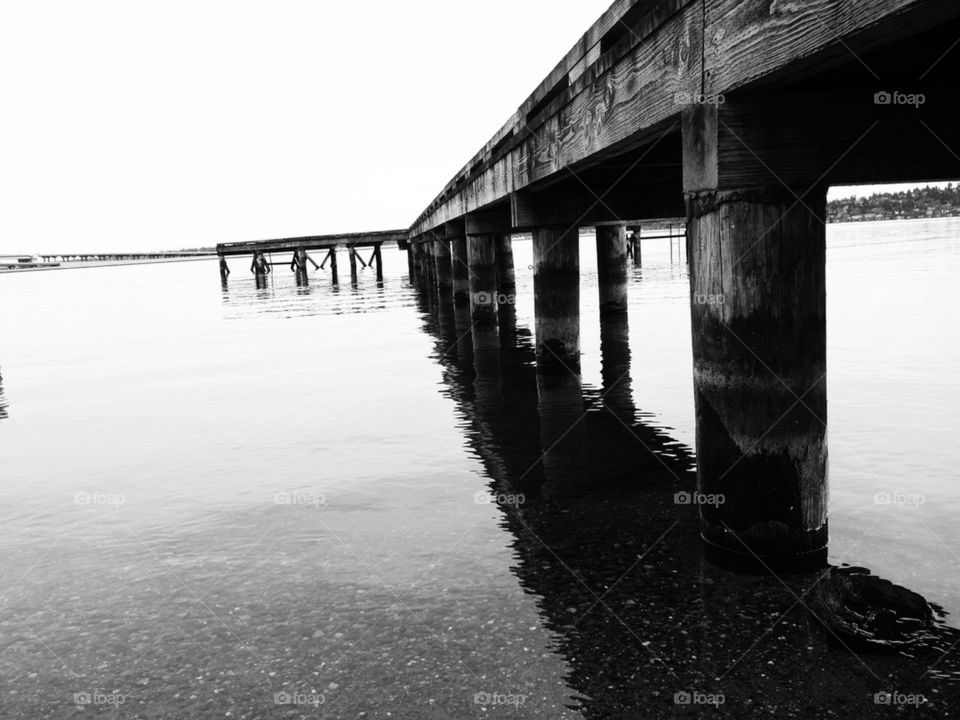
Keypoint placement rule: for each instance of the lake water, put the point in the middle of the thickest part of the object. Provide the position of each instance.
(274, 502)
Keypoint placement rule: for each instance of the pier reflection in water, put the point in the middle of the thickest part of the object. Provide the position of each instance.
(594, 498)
(297, 294)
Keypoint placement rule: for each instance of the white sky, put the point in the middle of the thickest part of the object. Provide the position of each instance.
(129, 125)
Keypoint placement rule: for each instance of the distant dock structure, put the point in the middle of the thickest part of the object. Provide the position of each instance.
(52, 261)
(298, 251)
(25, 262)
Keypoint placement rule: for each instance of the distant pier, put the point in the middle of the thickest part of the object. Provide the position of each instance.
(63, 261)
(296, 253)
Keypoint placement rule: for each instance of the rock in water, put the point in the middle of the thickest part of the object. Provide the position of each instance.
(865, 612)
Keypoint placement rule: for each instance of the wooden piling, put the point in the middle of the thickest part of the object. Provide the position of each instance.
(461, 272)
(224, 268)
(353, 265)
(378, 259)
(758, 311)
(635, 243)
(612, 268)
(427, 269)
(482, 263)
(556, 289)
(333, 266)
(506, 275)
(444, 268)
(416, 275)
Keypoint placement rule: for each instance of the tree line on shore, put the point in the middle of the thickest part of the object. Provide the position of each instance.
(914, 203)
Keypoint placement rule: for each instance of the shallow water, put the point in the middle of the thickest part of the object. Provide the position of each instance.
(215, 496)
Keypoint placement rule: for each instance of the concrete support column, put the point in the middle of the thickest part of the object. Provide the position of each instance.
(556, 288)
(461, 272)
(506, 276)
(444, 267)
(758, 310)
(612, 268)
(482, 262)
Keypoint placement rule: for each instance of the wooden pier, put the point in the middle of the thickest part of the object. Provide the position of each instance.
(735, 115)
(297, 251)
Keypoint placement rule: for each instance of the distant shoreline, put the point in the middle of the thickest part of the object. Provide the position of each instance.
(855, 221)
(105, 263)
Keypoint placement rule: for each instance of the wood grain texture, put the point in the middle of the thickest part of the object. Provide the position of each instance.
(482, 262)
(747, 40)
(609, 103)
(758, 316)
(490, 221)
(613, 100)
(790, 144)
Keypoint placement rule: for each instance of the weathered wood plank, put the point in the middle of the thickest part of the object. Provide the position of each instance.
(789, 142)
(634, 20)
(638, 94)
(749, 39)
(613, 97)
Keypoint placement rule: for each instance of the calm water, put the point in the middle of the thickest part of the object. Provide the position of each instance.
(213, 497)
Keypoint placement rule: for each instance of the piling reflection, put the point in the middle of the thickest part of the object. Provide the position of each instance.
(604, 527)
(296, 294)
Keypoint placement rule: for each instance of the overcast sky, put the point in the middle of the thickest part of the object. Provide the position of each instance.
(131, 125)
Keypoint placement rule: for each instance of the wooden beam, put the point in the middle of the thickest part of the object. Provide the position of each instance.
(789, 142)
(624, 83)
(489, 221)
(757, 41)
